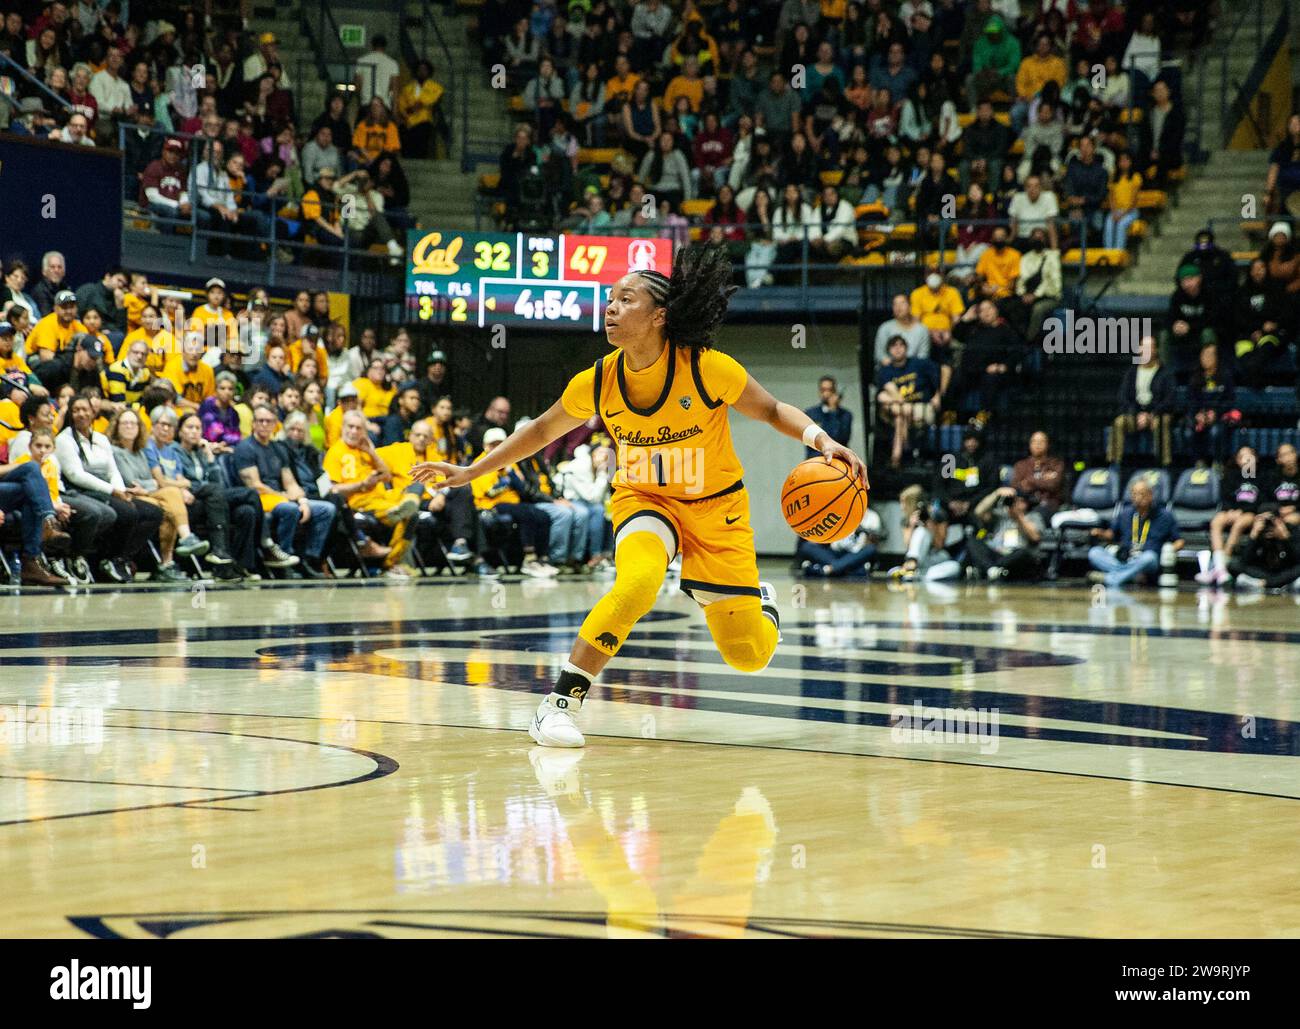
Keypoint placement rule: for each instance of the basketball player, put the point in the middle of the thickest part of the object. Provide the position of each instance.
(663, 395)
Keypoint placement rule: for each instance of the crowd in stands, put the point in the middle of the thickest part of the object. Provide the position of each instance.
(139, 437)
(205, 114)
(771, 126)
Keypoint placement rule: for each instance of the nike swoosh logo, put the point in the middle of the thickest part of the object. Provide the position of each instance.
(730, 520)
(611, 414)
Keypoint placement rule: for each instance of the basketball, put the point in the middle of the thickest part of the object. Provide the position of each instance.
(822, 501)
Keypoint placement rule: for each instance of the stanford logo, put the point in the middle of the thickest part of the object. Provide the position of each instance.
(640, 255)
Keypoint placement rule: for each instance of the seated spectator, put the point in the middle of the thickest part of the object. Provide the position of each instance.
(219, 209)
(274, 375)
(1271, 557)
(219, 421)
(190, 374)
(542, 96)
(1123, 192)
(847, 557)
(989, 356)
(1282, 257)
(995, 60)
(587, 104)
(1212, 413)
(1044, 140)
(359, 475)
(52, 333)
(1038, 285)
(375, 133)
(1284, 169)
(586, 482)
(1012, 529)
(364, 222)
(80, 365)
(23, 489)
(711, 153)
(128, 377)
(779, 108)
(320, 152)
(39, 450)
(1190, 326)
(904, 324)
(1241, 495)
(1142, 532)
(924, 536)
(793, 227)
(985, 144)
(1258, 318)
(180, 458)
(175, 537)
(999, 266)
(909, 394)
(1035, 71)
(455, 518)
(838, 224)
(500, 495)
(1041, 475)
(396, 427)
(124, 521)
(938, 306)
(521, 52)
(388, 179)
(162, 186)
(265, 467)
(375, 393)
(1086, 186)
(1034, 208)
(665, 172)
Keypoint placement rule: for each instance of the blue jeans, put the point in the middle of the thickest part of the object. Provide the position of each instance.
(24, 490)
(568, 532)
(594, 517)
(1119, 572)
(840, 563)
(1114, 234)
(284, 526)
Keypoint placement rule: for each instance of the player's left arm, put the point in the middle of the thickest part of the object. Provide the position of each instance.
(757, 403)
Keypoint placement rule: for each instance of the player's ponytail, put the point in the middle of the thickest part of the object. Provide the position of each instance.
(696, 296)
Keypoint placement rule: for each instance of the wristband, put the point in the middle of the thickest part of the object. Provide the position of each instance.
(810, 435)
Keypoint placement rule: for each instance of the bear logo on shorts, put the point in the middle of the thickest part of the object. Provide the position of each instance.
(607, 640)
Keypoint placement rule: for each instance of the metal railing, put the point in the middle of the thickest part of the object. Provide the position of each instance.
(9, 64)
(1256, 34)
(282, 235)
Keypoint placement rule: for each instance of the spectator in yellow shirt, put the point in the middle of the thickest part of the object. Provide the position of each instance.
(620, 87)
(375, 393)
(309, 344)
(999, 266)
(1036, 71)
(359, 475)
(214, 313)
(938, 306)
(54, 332)
(374, 134)
(1124, 190)
(418, 114)
(139, 295)
(687, 84)
(498, 492)
(193, 378)
(455, 518)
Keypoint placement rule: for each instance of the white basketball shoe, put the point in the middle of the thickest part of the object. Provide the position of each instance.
(767, 593)
(553, 725)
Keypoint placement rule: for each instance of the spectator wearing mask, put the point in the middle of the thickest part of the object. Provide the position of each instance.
(1142, 532)
(999, 266)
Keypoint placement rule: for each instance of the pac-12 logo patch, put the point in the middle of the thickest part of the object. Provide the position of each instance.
(685, 402)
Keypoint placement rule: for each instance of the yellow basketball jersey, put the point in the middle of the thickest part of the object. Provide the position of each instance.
(668, 421)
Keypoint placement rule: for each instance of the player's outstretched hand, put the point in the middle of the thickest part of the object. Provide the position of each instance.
(427, 471)
(833, 449)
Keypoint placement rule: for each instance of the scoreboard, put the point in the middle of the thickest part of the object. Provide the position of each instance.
(487, 278)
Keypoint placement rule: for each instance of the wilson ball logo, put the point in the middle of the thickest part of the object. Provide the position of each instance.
(822, 527)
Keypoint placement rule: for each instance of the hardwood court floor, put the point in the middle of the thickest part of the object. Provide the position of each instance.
(350, 760)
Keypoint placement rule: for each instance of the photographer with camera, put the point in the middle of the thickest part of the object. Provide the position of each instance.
(1007, 545)
(1271, 557)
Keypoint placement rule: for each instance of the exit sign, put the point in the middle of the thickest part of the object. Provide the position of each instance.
(352, 35)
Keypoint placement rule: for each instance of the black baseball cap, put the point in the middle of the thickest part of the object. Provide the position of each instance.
(85, 341)
(6, 329)
(435, 358)
(64, 296)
